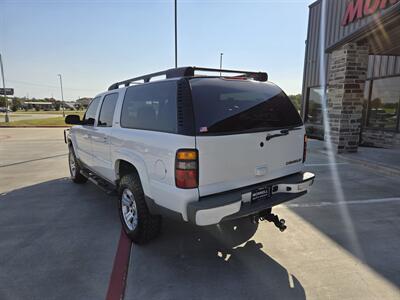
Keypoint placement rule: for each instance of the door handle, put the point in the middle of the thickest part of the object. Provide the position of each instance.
(99, 139)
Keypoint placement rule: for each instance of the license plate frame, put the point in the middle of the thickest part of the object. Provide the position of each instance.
(261, 194)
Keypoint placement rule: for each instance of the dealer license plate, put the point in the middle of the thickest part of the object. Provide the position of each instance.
(262, 193)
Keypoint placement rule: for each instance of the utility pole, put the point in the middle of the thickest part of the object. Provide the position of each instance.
(7, 118)
(176, 34)
(220, 63)
(62, 95)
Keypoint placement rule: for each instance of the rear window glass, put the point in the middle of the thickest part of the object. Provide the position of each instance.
(233, 106)
(151, 107)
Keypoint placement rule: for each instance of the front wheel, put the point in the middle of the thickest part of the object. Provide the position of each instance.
(138, 223)
(74, 168)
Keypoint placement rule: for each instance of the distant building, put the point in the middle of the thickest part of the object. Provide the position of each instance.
(38, 103)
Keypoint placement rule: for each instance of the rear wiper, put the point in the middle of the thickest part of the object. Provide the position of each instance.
(282, 133)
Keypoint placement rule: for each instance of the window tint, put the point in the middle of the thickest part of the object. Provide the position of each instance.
(150, 106)
(107, 110)
(234, 106)
(90, 115)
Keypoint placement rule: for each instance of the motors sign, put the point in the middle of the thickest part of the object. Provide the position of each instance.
(7, 91)
(358, 9)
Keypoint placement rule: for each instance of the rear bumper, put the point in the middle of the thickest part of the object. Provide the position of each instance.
(236, 204)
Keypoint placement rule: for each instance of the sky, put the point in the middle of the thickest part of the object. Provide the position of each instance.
(96, 43)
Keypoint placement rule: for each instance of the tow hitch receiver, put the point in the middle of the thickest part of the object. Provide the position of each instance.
(267, 215)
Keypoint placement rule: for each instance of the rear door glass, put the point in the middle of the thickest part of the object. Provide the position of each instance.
(223, 106)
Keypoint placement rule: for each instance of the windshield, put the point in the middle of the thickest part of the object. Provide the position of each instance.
(223, 106)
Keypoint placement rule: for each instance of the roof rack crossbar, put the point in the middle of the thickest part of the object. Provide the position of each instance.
(259, 76)
(145, 78)
(189, 72)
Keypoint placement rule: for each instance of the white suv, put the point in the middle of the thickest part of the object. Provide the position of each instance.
(204, 148)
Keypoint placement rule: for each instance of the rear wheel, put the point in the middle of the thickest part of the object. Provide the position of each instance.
(74, 168)
(138, 223)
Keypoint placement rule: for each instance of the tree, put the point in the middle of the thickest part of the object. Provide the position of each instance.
(57, 105)
(3, 102)
(296, 100)
(16, 104)
(376, 103)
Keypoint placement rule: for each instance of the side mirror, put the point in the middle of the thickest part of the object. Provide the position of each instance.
(73, 120)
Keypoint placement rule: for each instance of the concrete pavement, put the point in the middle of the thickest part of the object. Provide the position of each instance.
(31, 155)
(58, 239)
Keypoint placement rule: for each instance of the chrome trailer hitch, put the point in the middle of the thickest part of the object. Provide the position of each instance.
(267, 215)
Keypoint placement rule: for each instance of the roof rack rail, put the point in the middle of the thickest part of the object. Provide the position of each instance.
(189, 72)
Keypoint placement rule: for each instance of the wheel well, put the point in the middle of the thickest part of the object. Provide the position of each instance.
(125, 168)
(70, 145)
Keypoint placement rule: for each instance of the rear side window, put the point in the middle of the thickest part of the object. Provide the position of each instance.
(107, 110)
(150, 106)
(90, 115)
(223, 106)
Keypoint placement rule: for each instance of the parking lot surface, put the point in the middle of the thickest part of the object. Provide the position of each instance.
(59, 240)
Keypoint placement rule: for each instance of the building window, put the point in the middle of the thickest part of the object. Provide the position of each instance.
(314, 114)
(384, 102)
(367, 90)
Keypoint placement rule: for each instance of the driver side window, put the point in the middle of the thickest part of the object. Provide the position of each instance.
(90, 115)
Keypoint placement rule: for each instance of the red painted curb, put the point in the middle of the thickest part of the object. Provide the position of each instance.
(116, 286)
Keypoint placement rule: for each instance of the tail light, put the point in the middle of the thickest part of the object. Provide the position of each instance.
(305, 148)
(186, 169)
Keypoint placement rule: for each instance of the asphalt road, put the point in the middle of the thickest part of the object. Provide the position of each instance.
(58, 240)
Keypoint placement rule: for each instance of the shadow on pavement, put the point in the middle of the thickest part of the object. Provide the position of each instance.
(58, 241)
(188, 262)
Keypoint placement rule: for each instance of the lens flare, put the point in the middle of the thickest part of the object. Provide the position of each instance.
(339, 194)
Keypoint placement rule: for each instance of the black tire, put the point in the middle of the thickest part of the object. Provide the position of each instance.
(74, 168)
(147, 226)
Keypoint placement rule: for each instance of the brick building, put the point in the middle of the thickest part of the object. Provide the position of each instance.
(352, 73)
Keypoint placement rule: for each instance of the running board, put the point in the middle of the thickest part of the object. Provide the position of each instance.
(103, 184)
